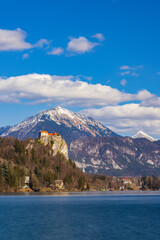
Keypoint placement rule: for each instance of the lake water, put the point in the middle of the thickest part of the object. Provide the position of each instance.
(82, 217)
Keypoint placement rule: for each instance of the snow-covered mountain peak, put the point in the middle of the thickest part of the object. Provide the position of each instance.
(63, 111)
(142, 134)
(59, 118)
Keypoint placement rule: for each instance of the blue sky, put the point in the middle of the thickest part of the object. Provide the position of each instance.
(98, 57)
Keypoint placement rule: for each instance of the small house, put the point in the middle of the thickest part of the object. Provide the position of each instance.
(127, 180)
(58, 184)
(26, 181)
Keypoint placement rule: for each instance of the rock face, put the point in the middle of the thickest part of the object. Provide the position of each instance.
(70, 125)
(117, 156)
(57, 143)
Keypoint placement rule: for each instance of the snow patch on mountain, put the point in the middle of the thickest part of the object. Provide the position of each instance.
(142, 134)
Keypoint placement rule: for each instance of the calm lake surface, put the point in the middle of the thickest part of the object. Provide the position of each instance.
(83, 216)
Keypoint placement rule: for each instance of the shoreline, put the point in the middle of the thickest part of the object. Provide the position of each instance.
(89, 193)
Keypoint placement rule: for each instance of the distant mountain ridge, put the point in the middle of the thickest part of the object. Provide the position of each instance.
(117, 156)
(4, 129)
(142, 134)
(69, 124)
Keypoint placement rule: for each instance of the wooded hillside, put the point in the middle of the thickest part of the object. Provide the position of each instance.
(19, 159)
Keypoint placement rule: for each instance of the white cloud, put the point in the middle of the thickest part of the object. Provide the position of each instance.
(125, 73)
(144, 94)
(12, 40)
(25, 55)
(127, 70)
(123, 82)
(99, 36)
(56, 51)
(8, 98)
(148, 99)
(80, 45)
(128, 118)
(125, 67)
(41, 43)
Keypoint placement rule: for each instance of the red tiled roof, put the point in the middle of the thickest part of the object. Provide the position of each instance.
(51, 134)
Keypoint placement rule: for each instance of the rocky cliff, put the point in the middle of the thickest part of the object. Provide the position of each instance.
(58, 144)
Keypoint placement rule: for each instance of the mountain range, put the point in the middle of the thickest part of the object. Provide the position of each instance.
(94, 147)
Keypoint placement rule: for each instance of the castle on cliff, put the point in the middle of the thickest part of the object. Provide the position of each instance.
(46, 134)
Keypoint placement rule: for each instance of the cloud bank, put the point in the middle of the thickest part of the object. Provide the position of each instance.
(72, 90)
(46, 88)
